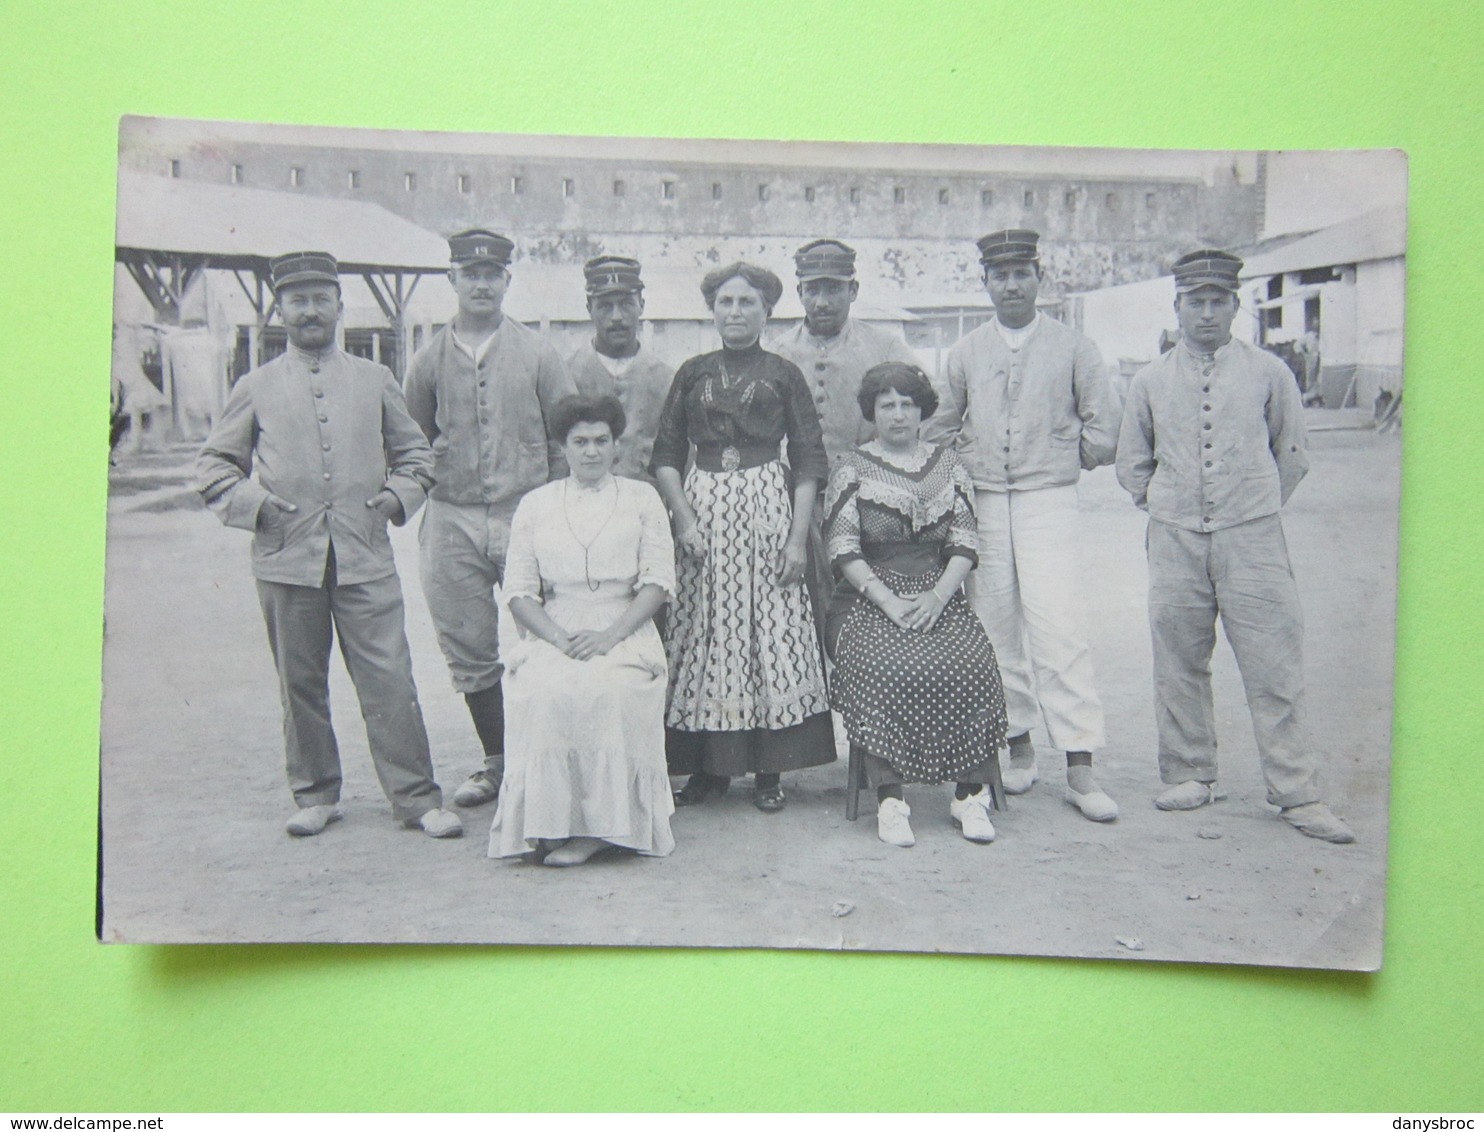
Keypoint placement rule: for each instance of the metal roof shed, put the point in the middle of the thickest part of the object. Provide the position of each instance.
(169, 230)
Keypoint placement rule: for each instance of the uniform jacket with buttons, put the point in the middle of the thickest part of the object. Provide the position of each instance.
(641, 388)
(489, 424)
(1212, 441)
(1030, 418)
(326, 433)
(833, 368)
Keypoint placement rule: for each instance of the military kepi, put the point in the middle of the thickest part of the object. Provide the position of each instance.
(303, 267)
(1207, 268)
(606, 274)
(825, 259)
(478, 244)
(1009, 246)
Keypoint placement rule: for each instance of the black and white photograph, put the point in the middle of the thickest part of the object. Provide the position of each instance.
(716, 543)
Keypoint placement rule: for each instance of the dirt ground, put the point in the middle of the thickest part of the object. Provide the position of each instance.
(195, 799)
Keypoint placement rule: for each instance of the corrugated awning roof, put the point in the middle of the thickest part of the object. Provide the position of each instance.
(1381, 234)
(239, 228)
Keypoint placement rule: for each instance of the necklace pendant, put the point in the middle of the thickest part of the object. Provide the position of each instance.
(731, 459)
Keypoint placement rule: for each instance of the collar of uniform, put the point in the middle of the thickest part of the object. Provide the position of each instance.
(312, 357)
(1017, 334)
(475, 352)
(831, 342)
(1217, 354)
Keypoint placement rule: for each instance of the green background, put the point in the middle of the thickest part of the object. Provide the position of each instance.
(87, 1027)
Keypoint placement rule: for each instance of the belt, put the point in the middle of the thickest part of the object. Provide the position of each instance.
(734, 457)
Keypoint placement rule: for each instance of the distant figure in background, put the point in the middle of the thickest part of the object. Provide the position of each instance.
(616, 362)
(747, 691)
(1212, 445)
(135, 405)
(483, 390)
(833, 351)
(1027, 403)
(337, 457)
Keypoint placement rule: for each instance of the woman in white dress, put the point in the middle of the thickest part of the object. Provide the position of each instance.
(591, 561)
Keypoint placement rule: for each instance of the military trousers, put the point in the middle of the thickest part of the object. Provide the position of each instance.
(1027, 591)
(368, 621)
(1241, 574)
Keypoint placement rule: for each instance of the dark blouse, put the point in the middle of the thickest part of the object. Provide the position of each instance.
(759, 398)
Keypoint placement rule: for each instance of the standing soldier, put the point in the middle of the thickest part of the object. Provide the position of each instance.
(337, 457)
(1028, 403)
(833, 351)
(1212, 445)
(616, 362)
(483, 390)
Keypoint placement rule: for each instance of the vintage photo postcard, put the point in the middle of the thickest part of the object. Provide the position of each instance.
(608, 541)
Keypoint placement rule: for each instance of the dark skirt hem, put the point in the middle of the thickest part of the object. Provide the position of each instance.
(758, 751)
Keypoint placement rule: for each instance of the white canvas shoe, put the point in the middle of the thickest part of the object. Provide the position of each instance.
(439, 823)
(971, 815)
(311, 820)
(891, 823)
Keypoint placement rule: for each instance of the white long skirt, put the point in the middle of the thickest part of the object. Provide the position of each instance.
(585, 739)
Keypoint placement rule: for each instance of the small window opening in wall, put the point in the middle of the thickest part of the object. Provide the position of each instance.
(1030, 198)
(410, 181)
(174, 168)
(517, 185)
(808, 194)
(855, 194)
(236, 174)
(1069, 198)
(296, 176)
(569, 187)
(353, 179)
(1111, 200)
(463, 182)
(899, 195)
(986, 197)
(618, 188)
(762, 192)
(1151, 200)
(942, 196)
(716, 190)
(667, 190)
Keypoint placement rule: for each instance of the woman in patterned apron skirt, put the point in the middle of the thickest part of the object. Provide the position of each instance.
(915, 676)
(747, 691)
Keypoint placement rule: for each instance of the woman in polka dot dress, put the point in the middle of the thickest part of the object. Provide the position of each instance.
(915, 677)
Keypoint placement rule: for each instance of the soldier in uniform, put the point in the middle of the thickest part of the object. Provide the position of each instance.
(833, 351)
(1027, 401)
(337, 457)
(616, 362)
(1212, 445)
(483, 389)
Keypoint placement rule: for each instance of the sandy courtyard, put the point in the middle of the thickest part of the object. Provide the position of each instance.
(195, 800)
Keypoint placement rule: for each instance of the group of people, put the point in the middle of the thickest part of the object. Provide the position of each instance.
(636, 574)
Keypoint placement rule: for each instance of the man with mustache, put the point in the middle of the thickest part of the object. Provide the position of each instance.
(1212, 445)
(483, 390)
(616, 361)
(337, 458)
(833, 352)
(832, 349)
(1028, 403)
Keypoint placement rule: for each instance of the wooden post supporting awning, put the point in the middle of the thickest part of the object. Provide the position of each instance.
(170, 229)
(164, 277)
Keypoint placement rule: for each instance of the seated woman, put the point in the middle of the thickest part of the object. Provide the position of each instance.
(915, 677)
(590, 563)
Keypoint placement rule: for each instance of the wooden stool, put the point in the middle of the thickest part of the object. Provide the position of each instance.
(855, 782)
